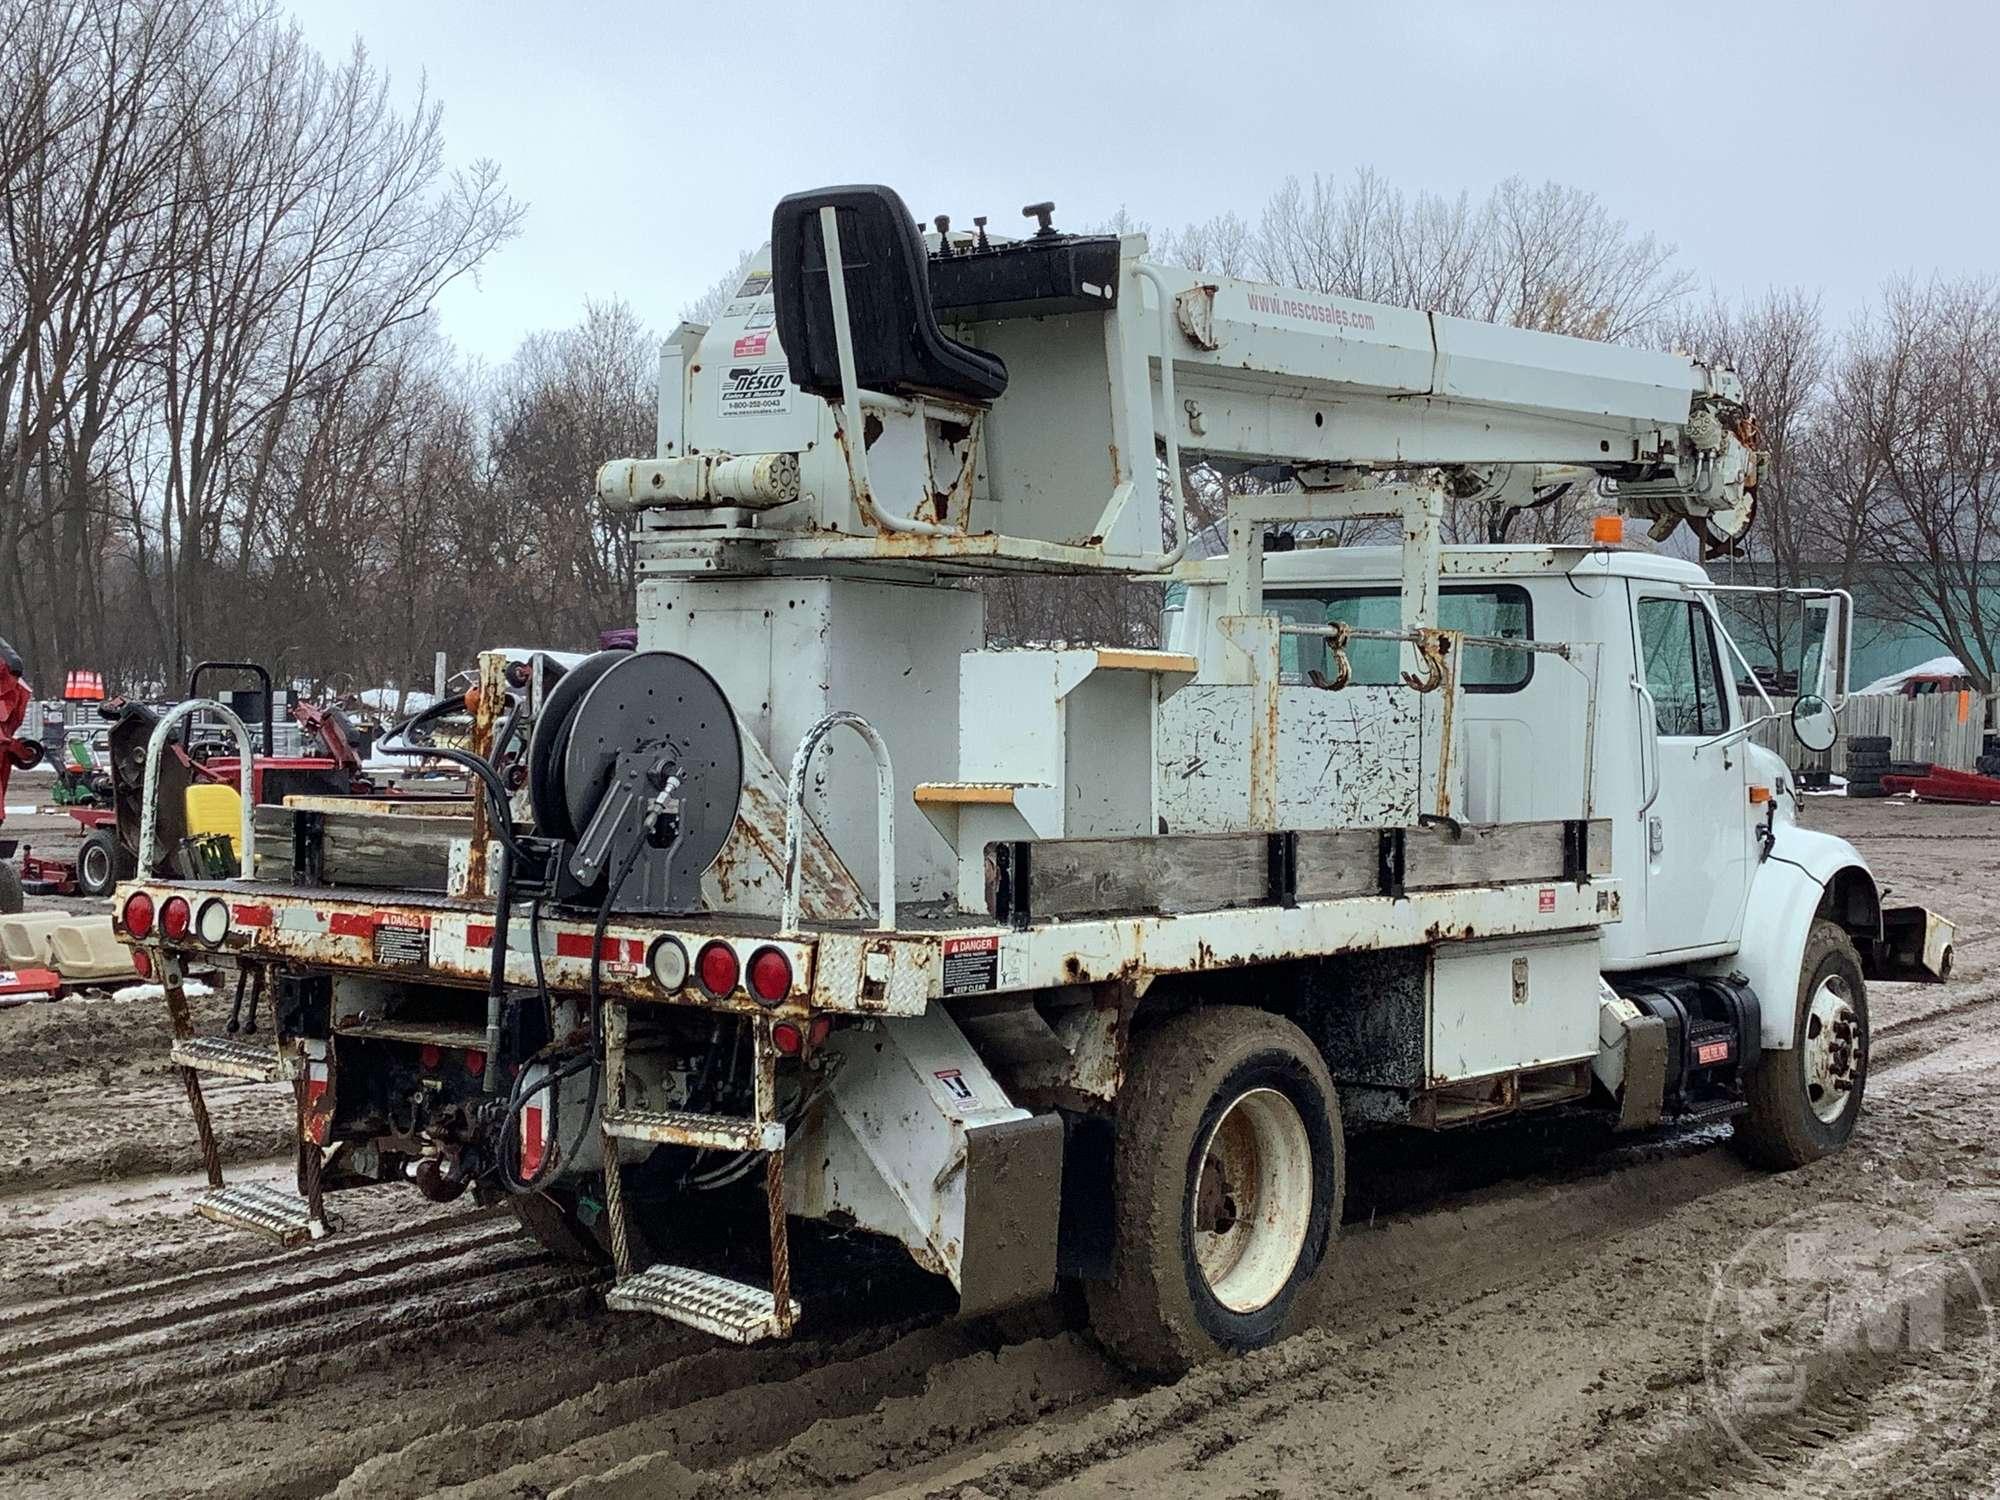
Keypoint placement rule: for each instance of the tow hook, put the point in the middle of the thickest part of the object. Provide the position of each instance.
(439, 1178)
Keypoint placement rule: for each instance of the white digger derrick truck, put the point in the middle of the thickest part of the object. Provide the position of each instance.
(1384, 837)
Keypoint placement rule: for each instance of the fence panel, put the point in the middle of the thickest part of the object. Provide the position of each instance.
(1945, 729)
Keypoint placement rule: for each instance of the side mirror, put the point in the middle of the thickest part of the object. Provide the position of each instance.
(1823, 665)
(1814, 724)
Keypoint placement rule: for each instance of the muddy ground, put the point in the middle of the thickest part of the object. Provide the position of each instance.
(1531, 1308)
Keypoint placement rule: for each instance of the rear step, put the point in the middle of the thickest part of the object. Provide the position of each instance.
(674, 1127)
(227, 1056)
(258, 1206)
(728, 1309)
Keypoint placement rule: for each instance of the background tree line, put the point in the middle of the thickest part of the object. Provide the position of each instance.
(230, 427)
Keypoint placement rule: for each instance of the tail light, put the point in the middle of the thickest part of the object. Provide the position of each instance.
(139, 914)
(142, 962)
(770, 975)
(533, 1145)
(211, 923)
(715, 967)
(785, 1037)
(175, 917)
(475, 1061)
(669, 962)
(428, 1057)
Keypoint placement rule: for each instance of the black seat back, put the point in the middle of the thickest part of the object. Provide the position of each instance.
(898, 347)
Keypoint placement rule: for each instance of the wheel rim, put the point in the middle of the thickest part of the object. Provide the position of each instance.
(1253, 1191)
(1835, 1050)
(96, 870)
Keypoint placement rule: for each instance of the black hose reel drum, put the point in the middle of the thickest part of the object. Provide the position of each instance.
(635, 766)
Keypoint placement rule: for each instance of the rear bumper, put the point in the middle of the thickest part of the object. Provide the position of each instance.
(436, 940)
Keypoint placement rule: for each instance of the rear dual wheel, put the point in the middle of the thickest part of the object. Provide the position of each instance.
(1228, 1172)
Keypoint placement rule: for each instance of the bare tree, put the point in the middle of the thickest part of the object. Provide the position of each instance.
(1919, 387)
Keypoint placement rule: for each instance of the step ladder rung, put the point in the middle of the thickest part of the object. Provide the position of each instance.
(731, 1310)
(267, 1210)
(230, 1057)
(675, 1127)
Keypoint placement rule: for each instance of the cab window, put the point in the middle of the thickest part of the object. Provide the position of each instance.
(1683, 667)
(1498, 610)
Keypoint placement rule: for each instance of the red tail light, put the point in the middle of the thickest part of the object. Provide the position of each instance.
(785, 1037)
(716, 968)
(139, 914)
(429, 1057)
(532, 1147)
(143, 962)
(770, 975)
(822, 1028)
(175, 917)
(475, 1062)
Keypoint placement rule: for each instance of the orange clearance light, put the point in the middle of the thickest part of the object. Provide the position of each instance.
(1607, 531)
(1759, 795)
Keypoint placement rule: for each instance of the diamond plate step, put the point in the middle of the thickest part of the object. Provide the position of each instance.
(260, 1207)
(226, 1055)
(728, 1309)
(675, 1127)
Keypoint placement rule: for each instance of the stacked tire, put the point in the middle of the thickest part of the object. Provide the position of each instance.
(1867, 763)
(1989, 756)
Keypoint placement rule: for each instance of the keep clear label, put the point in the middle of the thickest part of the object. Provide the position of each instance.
(971, 964)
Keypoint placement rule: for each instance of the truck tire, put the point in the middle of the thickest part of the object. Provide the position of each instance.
(1797, 1114)
(1874, 760)
(12, 898)
(1218, 1104)
(97, 863)
(1869, 743)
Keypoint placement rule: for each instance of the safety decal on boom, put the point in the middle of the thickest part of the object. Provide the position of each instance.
(971, 964)
(755, 391)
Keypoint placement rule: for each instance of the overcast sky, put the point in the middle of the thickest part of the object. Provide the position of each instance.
(1822, 144)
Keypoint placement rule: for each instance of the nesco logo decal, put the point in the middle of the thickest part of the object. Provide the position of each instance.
(755, 391)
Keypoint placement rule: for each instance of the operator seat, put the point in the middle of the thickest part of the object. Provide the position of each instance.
(898, 347)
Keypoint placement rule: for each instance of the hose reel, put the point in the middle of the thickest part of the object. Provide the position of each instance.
(636, 766)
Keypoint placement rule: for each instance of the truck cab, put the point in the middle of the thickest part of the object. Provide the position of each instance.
(1715, 870)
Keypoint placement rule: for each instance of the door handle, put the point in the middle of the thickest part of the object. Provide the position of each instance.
(1649, 723)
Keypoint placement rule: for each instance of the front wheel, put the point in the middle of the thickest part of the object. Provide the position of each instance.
(1228, 1175)
(1805, 1100)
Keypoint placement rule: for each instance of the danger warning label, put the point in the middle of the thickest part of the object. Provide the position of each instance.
(971, 964)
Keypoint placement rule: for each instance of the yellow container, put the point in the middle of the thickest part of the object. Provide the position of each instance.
(215, 808)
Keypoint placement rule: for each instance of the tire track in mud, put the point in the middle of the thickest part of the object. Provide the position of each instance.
(187, 1358)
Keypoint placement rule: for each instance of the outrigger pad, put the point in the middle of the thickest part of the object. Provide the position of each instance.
(264, 1209)
(728, 1309)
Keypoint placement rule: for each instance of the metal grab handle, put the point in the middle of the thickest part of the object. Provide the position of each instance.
(1649, 728)
(149, 807)
(885, 820)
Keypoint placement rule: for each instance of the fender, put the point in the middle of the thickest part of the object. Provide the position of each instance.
(1792, 882)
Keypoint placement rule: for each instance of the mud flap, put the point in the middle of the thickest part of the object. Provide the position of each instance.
(1013, 1196)
(917, 1141)
(1916, 945)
